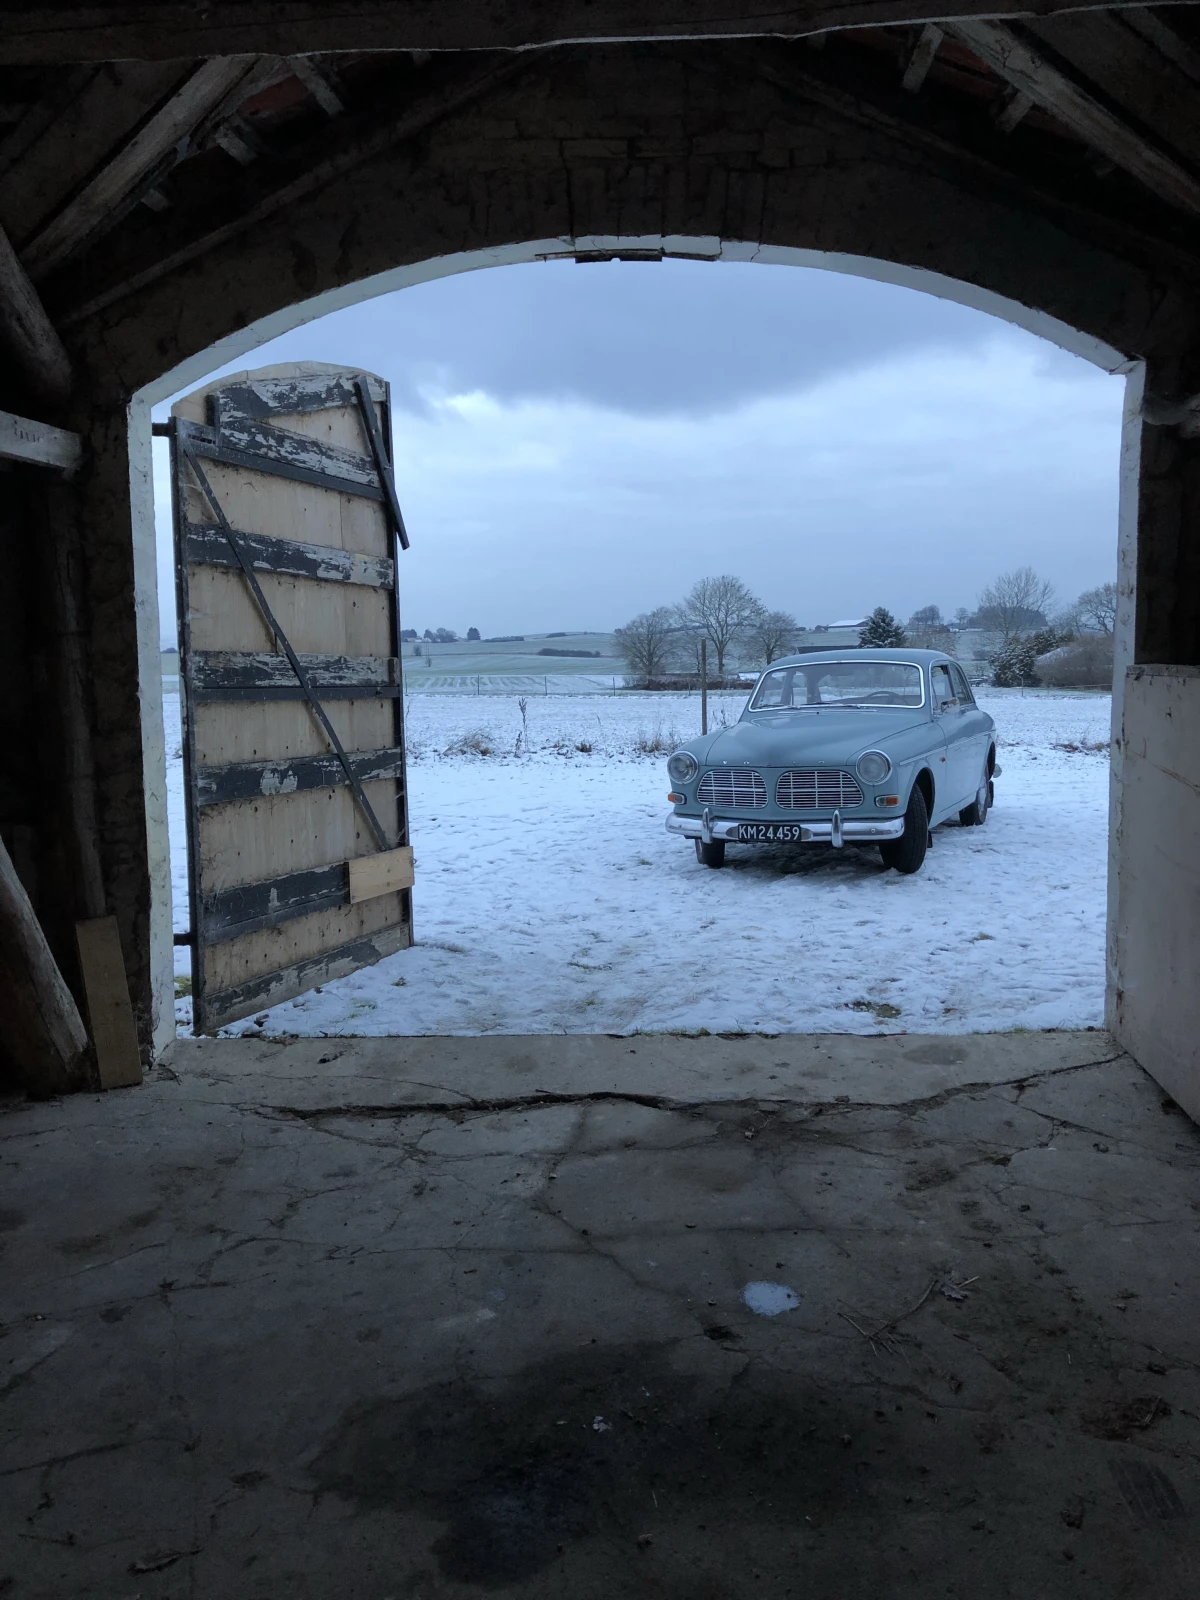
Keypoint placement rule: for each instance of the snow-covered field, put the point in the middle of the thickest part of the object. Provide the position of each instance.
(550, 898)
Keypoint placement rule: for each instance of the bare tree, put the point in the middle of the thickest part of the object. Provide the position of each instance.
(1097, 608)
(1017, 603)
(722, 610)
(771, 635)
(646, 642)
(926, 630)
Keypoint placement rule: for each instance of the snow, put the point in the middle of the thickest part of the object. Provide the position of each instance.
(550, 898)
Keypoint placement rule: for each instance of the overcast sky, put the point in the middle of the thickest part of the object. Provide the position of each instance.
(575, 444)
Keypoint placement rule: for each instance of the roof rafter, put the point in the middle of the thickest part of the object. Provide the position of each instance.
(1031, 72)
(310, 168)
(206, 89)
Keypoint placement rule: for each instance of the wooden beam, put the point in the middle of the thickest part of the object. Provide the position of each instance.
(114, 1033)
(1145, 86)
(1048, 86)
(41, 1030)
(28, 332)
(319, 84)
(70, 227)
(1010, 109)
(163, 30)
(922, 57)
(311, 167)
(37, 443)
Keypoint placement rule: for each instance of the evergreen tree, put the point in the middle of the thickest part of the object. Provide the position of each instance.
(881, 631)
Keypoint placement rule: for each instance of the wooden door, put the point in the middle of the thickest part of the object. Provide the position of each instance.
(287, 531)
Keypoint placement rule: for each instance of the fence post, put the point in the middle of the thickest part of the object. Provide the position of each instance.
(704, 686)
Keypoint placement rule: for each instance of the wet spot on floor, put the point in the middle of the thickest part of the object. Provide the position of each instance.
(518, 1472)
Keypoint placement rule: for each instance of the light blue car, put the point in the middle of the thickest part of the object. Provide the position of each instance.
(841, 747)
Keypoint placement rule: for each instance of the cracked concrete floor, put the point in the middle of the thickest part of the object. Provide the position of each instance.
(440, 1318)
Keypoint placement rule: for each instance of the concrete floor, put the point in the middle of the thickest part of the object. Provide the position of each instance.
(443, 1318)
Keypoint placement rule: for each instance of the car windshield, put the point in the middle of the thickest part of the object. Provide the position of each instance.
(839, 683)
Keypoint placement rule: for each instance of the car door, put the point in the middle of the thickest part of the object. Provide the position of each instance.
(977, 725)
(960, 782)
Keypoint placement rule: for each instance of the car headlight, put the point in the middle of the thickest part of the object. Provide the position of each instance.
(682, 767)
(873, 766)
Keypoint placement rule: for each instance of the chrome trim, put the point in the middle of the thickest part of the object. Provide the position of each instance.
(738, 788)
(841, 661)
(874, 782)
(835, 831)
(706, 826)
(687, 756)
(831, 786)
(852, 832)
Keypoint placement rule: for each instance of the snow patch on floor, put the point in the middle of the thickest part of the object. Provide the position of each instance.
(549, 897)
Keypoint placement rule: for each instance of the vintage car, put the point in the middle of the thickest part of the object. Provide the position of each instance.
(841, 747)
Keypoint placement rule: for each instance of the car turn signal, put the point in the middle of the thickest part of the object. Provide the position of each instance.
(887, 800)
(676, 797)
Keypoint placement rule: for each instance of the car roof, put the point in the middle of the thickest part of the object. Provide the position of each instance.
(898, 653)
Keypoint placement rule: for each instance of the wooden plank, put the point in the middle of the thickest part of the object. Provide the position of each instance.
(260, 398)
(227, 1005)
(109, 1011)
(1028, 70)
(71, 226)
(40, 1026)
(215, 670)
(252, 780)
(248, 907)
(22, 439)
(26, 329)
(208, 546)
(382, 873)
(79, 30)
(290, 510)
(282, 730)
(282, 451)
(310, 168)
(226, 616)
(922, 57)
(319, 83)
(266, 838)
(1131, 73)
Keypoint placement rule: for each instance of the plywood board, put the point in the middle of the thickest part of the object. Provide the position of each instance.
(380, 873)
(110, 1014)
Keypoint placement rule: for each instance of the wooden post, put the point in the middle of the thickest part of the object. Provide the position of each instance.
(40, 1025)
(704, 686)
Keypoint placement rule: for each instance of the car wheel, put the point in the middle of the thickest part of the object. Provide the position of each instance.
(711, 855)
(975, 815)
(907, 853)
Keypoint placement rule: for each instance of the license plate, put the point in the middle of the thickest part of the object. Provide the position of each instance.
(770, 833)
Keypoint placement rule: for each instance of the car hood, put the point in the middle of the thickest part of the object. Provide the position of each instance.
(790, 738)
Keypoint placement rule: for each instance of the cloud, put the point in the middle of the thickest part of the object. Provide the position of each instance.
(575, 444)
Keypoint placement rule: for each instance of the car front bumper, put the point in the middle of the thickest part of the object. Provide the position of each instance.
(835, 831)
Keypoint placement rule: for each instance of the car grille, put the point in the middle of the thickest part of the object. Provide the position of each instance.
(813, 789)
(732, 786)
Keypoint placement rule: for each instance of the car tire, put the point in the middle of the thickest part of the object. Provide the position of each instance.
(710, 855)
(907, 854)
(975, 815)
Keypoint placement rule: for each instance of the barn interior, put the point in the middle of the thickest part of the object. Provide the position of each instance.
(648, 1316)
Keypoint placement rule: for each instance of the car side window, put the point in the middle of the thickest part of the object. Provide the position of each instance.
(961, 687)
(943, 689)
